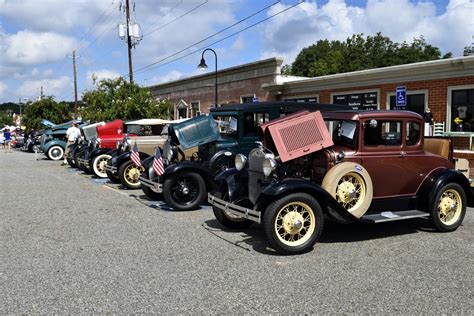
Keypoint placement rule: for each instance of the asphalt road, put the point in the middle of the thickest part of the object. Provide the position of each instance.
(72, 244)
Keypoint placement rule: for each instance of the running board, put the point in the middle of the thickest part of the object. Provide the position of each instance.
(393, 216)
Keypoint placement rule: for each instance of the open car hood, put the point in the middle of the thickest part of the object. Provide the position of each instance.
(297, 135)
(47, 123)
(197, 131)
(90, 131)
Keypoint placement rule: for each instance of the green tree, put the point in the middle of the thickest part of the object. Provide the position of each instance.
(117, 99)
(46, 108)
(359, 53)
(5, 119)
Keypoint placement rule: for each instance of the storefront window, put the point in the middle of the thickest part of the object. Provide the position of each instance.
(415, 103)
(462, 110)
(358, 101)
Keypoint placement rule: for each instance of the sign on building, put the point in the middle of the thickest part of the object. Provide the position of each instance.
(401, 96)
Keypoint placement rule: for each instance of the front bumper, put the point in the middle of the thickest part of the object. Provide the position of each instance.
(155, 186)
(111, 169)
(84, 162)
(234, 209)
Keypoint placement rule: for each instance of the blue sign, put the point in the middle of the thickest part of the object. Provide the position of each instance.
(401, 96)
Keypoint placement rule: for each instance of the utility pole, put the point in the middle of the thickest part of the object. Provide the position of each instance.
(129, 42)
(75, 82)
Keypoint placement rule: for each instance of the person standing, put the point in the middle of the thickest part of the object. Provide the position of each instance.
(8, 140)
(72, 134)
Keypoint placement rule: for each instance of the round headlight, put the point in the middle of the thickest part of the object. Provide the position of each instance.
(98, 140)
(240, 161)
(269, 164)
(118, 144)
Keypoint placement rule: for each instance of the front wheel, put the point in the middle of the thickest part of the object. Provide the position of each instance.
(98, 165)
(149, 192)
(293, 223)
(449, 208)
(56, 153)
(184, 191)
(129, 173)
(227, 219)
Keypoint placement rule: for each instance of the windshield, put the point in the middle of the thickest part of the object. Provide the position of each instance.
(227, 125)
(343, 132)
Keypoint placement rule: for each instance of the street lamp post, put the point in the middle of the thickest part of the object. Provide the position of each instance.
(203, 65)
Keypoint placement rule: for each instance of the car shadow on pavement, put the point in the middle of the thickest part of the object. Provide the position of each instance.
(159, 205)
(255, 238)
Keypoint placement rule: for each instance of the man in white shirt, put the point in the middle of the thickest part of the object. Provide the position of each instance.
(72, 134)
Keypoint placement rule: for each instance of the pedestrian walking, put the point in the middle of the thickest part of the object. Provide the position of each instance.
(72, 134)
(8, 140)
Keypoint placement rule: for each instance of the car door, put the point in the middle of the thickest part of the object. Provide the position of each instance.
(384, 154)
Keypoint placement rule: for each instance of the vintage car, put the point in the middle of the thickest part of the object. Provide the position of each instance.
(81, 148)
(351, 166)
(104, 139)
(53, 141)
(228, 130)
(148, 135)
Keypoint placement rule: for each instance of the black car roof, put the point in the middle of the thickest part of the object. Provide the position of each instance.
(279, 104)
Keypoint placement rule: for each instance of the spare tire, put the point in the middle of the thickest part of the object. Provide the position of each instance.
(351, 186)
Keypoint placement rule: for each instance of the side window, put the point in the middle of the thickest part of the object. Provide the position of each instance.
(413, 133)
(383, 133)
(252, 121)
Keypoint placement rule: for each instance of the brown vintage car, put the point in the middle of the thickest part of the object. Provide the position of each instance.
(351, 166)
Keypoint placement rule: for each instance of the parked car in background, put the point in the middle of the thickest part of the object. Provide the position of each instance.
(228, 130)
(147, 135)
(351, 166)
(53, 141)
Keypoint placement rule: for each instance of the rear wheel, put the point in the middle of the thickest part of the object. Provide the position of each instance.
(225, 218)
(184, 191)
(293, 223)
(56, 152)
(449, 208)
(98, 165)
(129, 173)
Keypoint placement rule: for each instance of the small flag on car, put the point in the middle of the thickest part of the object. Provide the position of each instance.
(158, 165)
(135, 156)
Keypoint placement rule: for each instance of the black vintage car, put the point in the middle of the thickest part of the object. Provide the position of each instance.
(227, 130)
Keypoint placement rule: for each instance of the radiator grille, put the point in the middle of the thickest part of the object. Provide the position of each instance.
(256, 176)
(300, 136)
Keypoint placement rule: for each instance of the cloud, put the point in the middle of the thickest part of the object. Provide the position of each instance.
(3, 88)
(30, 48)
(101, 75)
(56, 87)
(402, 20)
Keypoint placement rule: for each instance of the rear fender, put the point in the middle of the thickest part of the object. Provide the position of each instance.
(54, 142)
(436, 180)
(285, 187)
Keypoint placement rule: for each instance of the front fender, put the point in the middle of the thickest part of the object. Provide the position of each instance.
(190, 166)
(97, 152)
(436, 180)
(52, 143)
(124, 157)
(288, 186)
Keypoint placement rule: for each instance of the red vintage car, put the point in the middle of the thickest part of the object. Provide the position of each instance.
(351, 166)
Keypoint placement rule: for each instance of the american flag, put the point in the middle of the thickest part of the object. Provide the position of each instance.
(135, 156)
(158, 165)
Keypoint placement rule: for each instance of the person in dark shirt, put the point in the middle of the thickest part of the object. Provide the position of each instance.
(428, 117)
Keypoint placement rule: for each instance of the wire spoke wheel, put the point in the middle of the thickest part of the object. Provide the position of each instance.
(449, 207)
(132, 174)
(350, 191)
(295, 223)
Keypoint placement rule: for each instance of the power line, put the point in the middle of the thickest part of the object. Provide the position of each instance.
(177, 18)
(145, 68)
(171, 10)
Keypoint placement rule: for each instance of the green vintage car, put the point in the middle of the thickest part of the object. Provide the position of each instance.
(227, 130)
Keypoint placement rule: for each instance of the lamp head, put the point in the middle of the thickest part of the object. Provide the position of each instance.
(202, 64)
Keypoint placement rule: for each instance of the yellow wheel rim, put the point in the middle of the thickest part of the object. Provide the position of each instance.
(295, 223)
(101, 164)
(133, 173)
(449, 207)
(350, 191)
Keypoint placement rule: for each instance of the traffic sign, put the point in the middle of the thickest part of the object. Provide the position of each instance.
(401, 96)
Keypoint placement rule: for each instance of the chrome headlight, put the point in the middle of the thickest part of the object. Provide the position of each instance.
(170, 151)
(118, 145)
(268, 165)
(240, 161)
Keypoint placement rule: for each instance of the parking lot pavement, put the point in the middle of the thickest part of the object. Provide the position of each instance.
(73, 244)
